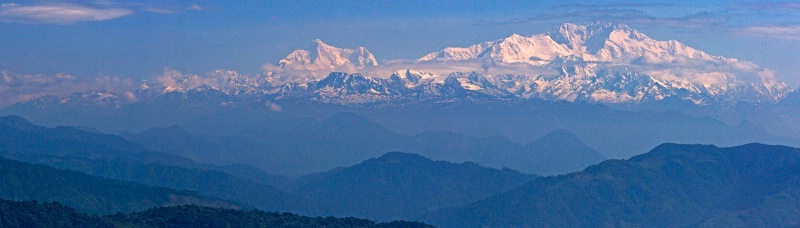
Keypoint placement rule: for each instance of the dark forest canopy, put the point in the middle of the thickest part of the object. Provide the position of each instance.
(54, 214)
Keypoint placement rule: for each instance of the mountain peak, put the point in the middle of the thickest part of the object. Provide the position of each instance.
(326, 56)
(514, 36)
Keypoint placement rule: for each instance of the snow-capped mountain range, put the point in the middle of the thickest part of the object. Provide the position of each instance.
(601, 62)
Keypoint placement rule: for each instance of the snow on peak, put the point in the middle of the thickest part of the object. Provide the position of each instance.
(323, 55)
(647, 69)
(536, 50)
(458, 53)
(412, 78)
(606, 42)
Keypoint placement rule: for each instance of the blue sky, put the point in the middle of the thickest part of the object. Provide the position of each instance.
(138, 39)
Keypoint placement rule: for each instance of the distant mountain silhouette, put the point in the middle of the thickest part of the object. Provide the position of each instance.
(558, 152)
(302, 146)
(673, 185)
(561, 152)
(401, 185)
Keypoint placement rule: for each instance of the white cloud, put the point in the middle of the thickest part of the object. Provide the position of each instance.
(196, 7)
(787, 32)
(55, 13)
(130, 96)
(273, 107)
(650, 59)
(151, 9)
(174, 80)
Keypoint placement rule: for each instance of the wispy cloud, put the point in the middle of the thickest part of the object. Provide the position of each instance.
(786, 32)
(196, 7)
(167, 8)
(57, 13)
(158, 10)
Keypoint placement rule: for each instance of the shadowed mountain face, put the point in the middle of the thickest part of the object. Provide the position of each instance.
(401, 185)
(672, 185)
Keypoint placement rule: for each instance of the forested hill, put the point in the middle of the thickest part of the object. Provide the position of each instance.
(24, 181)
(673, 185)
(54, 214)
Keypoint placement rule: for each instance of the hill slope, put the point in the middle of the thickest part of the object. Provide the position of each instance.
(672, 186)
(24, 181)
(110, 156)
(400, 185)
